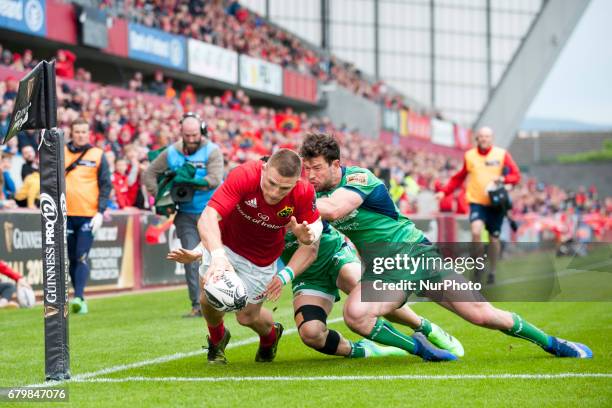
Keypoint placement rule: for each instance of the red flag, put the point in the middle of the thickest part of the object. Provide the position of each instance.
(154, 231)
(287, 122)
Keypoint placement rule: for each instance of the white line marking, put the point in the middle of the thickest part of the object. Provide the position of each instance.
(411, 377)
(162, 359)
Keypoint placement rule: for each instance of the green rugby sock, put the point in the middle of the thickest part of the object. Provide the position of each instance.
(425, 327)
(384, 333)
(357, 351)
(525, 330)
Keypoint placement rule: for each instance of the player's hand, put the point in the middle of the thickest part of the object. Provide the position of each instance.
(274, 289)
(303, 232)
(440, 195)
(218, 266)
(183, 255)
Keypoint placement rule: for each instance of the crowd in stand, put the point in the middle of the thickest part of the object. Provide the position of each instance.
(127, 129)
(229, 25)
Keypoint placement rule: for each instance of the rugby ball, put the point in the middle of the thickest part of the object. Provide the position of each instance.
(226, 294)
(25, 297)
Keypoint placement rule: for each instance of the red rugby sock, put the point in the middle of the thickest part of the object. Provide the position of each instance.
(216, 333)
(269, 339)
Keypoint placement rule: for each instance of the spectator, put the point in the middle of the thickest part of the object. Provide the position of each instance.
(12, 85)
(136, 83)
(6, 204)
(8, 186)
(158, 86)
(29, 193)
(17, 64)
(8, 289)
(30, 166)
(64, 66)
(27, 138)
(123, 181)
(28, 61)
(7, 57)
(5, 120)
(170, 92)
(188, 98)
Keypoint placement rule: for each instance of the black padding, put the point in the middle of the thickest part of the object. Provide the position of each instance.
(311, 312)
(331, 343)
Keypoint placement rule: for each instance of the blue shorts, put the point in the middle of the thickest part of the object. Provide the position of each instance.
(491, 216)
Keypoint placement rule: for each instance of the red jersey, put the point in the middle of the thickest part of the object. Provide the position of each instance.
(251, 227)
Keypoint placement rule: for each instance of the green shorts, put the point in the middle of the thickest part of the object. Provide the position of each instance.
(322, 275)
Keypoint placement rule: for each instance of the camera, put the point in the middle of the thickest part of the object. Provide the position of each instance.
(182, 193)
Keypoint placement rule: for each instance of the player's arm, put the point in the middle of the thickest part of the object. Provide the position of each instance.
(306, 225)
(209, 230)
(301, 260)
(341, 203)
(306, 233)
(221, 204)
(184, 255)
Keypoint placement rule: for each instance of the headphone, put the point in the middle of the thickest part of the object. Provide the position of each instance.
(203, 126)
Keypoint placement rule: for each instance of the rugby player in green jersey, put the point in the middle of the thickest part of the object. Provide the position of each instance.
(358, 204)
(317, 273)
(316, 289)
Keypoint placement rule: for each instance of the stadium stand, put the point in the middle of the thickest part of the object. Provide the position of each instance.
(229, 25)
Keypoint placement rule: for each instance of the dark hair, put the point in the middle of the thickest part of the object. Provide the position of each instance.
(320, 144)
(78, 121)
(286, 162)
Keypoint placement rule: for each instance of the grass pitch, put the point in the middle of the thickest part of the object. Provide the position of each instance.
(140, 328)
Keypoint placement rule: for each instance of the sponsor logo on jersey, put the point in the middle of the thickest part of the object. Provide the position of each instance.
(252, 202)
(87, 163)
(287, 211)
(357, 178)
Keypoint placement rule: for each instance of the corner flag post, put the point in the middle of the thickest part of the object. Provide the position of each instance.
(36, 109)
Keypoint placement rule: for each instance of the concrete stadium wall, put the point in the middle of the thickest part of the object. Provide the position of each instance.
(345, 108)
(537, 156)
(572, 176)
(549, 145)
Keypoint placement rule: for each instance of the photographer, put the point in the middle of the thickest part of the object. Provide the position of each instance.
(170, 171)
(487, 169)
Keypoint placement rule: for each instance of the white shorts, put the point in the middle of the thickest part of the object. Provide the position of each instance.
(255, 278)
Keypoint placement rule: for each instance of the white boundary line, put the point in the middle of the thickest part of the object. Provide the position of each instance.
(160, 360)
(411, 377)
(90, 377)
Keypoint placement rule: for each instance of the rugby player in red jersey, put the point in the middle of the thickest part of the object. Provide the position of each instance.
(243, 231)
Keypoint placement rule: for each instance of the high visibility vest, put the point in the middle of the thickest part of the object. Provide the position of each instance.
(82, 190)
(482, 170)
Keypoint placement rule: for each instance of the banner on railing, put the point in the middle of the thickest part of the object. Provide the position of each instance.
(213, 62)
(261, 75)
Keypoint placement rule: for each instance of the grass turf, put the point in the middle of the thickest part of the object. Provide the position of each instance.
(132, 328)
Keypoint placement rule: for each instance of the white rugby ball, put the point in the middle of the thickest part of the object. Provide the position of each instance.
(227, 294)
(25, 297)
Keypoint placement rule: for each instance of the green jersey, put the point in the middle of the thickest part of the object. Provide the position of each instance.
(322, 275)
(377, 219)
(331, 241)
